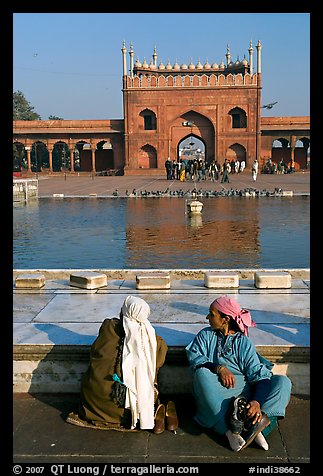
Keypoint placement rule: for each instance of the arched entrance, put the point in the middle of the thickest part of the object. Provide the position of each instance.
(189, 132)
(147, 157)
(236, 152)
(102, 153)
(191, 147)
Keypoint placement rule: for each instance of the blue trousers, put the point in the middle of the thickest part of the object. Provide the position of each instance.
(213, 399)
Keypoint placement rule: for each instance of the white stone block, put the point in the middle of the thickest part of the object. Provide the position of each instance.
(194, 207)
(157, 280)
(30, 281)
(220, 279)
(287, 193)
(88, 280)
(272, 280)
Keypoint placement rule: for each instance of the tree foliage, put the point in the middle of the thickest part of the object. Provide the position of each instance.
(22, 109)
(54, 118)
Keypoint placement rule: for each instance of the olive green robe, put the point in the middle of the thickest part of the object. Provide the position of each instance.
(96, 403)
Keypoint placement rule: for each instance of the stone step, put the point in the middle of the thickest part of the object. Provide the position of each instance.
(58, 368)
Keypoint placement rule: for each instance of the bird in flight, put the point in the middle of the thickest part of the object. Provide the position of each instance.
(270, 105)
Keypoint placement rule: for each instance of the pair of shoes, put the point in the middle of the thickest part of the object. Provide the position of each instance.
(171, 416)
(160, 415)
(252, 431)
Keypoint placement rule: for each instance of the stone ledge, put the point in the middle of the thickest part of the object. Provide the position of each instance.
(58, 369)
(175, 355)
(244, 273)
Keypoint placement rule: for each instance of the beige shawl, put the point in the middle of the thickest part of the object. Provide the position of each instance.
(139, 361)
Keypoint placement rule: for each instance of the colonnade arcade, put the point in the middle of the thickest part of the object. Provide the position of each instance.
(55, 156)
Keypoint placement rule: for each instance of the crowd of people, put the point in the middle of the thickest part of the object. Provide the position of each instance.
(198, 169)
(236, 392)
(281, 167)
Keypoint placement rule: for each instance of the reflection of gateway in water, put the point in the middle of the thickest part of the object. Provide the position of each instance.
(224, 231)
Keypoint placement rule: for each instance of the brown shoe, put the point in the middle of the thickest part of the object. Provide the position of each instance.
(171, 416)
(159, 419)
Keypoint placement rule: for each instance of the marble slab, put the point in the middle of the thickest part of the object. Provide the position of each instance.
(63, 315)
(171, 307)
(173, 334)
(27, 306)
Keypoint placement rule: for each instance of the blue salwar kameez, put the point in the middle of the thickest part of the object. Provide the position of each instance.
(239, 355)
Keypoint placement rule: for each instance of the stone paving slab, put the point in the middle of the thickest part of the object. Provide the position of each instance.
(50, 439)
(105, 186)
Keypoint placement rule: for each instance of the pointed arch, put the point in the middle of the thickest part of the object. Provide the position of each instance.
(238, 118)
(147, 157)
(236, 152)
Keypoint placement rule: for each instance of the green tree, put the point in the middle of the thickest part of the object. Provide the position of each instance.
(22, 109)
(54, 118)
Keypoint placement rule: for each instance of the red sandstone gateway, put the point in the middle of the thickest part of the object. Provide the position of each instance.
(217, 104)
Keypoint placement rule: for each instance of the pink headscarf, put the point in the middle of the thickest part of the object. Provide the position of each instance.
(231, 308)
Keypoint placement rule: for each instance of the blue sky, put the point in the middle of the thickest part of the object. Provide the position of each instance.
(70, 64)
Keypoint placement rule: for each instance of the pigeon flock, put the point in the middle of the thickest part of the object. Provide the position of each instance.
(194, 193)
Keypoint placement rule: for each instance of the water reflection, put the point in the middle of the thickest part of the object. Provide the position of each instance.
(231, 232)
(226, 234)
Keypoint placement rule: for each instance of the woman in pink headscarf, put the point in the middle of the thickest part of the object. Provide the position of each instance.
(235, 390)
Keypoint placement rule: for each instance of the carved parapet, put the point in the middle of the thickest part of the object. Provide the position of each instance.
(197, 80)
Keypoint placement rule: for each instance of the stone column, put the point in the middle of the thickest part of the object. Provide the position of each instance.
(28, 149)
(93, 147)
(50, 158)
(72, 159)
(71, 148)
(292, 152)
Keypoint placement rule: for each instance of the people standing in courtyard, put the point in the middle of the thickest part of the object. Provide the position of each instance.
(119, 390)
(254, 170)
(225, 173)
(182, 171)
(168, 167)
(242, 166)
(235, 391)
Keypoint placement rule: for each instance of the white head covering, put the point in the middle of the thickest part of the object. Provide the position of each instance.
(139, 361)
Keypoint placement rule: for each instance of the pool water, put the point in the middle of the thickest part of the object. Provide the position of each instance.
(151, 233)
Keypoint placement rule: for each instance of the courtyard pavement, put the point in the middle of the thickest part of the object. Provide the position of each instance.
(41, 435)
(73, 185)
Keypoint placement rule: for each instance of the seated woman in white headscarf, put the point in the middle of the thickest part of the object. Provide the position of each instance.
(119, 389)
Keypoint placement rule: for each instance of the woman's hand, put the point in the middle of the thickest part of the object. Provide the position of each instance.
(254, 411)
(226, 377)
